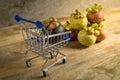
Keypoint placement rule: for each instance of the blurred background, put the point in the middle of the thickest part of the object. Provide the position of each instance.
(43, 9)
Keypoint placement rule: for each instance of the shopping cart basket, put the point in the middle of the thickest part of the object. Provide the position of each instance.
(40, 41)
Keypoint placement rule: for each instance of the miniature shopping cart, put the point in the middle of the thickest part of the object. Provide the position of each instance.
(39, 40)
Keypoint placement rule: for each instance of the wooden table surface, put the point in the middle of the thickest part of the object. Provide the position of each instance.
(98, 62)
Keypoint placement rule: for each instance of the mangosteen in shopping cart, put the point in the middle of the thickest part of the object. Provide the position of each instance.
(55, 28)
(58, 29)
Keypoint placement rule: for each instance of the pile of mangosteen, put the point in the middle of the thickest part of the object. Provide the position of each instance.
(87, 28)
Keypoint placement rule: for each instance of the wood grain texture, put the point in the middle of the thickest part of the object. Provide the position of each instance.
(98, 62)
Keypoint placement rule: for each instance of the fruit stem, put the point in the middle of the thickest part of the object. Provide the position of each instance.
(77, 11)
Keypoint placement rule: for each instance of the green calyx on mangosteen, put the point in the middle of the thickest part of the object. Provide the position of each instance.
(78, 20)
(85, 38)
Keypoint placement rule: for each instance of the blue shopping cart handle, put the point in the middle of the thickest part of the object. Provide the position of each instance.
(37, 23)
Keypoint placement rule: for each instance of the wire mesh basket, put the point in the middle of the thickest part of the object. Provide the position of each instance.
(39, 40)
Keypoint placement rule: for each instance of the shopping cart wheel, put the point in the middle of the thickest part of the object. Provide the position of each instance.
(45, 72)
(28, 63)
(64, 60)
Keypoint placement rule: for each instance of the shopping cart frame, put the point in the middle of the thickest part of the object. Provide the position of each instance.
(39, 41)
